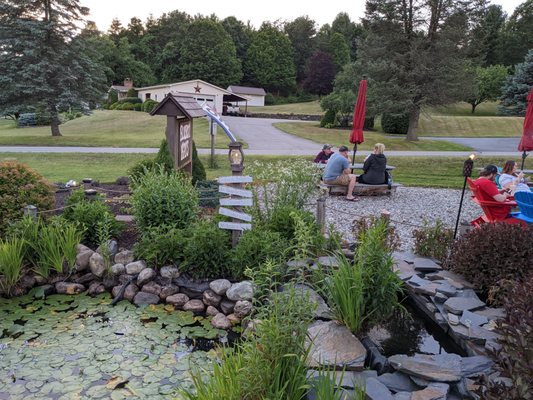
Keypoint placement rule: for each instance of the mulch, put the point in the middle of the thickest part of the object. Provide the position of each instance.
(115, 195)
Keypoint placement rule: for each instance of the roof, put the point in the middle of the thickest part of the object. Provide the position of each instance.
(247, 90)
(179, 105)
(120, 88)
(168, 85)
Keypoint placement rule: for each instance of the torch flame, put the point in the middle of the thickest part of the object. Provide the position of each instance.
(472, 156)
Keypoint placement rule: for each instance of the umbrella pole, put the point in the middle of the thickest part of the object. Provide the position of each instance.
(354, 151)
(524, 155)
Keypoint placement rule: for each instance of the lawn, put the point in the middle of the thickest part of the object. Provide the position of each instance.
(105, 128)
(310, 108)
(337, 137)
(410, 171)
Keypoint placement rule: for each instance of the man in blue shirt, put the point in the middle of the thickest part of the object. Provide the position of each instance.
(337, 172)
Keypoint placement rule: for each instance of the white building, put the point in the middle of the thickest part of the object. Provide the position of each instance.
(200, 90)
(256, 95)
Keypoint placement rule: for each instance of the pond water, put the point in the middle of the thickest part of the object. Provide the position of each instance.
(80, 347)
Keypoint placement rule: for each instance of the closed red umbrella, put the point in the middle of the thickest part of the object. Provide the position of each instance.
(526, 143)
(359, 110)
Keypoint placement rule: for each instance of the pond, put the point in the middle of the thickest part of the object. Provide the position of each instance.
(80, 347)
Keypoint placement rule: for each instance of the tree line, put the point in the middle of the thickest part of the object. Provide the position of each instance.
(414, 54)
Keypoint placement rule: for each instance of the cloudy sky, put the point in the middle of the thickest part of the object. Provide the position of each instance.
(103, 11)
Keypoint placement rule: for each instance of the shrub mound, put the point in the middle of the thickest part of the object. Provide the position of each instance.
(395, 123)
(21, 186)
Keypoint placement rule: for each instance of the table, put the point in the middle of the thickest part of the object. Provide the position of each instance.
(358, 166)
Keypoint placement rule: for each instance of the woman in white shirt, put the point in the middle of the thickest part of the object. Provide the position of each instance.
(509, 179)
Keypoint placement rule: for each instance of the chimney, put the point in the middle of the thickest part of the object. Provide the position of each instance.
(128, 83)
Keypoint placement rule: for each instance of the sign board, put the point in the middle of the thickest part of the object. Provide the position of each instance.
(234, 179)
(184, 142)
(234, 226)
(235, 214)
(236, 202)
(234, 191)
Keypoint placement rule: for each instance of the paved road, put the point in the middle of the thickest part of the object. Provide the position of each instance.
(483, 144)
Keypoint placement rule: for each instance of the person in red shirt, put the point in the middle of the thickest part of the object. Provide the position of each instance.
(488, 191)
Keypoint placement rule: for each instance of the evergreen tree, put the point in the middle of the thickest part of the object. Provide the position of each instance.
(349, 30)
(517, 36)
(339, 50)
(320, 74)
(517, 87)
(301, 33)
(42, 61)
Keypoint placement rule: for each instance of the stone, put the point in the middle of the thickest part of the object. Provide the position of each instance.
(447, 289)
(419, 381)
(118, 269)
(227, 306)
(476, 365)
(426, 265)
(492, 313)
(440, 319)
(82, 260)
(111, 251)
(457, 305)
(474, 334)
(431, 307)
(491, 325)
(220, 286)
(27, 281)
(196, 306)
(346, 379)
(124, 257)
(469, 319)
(69, 288)
(47, 289)
(298, 264)
(242, 308)
(438, 367)
(124, 278)
(133, 268)
(493, 345)
(417, 281)
(169, 272)
(80, 248)
(212, 311)
(321, 309)
(96, 288)
(115, 291)
(404, 270)
(429, 289)
(434, 391)
(210, 298)
(130, 292)
(453, 319)
(375, 390)
(334, 345)
(177, 300)
(85, 278)
(40, 280)
(168, 290)
(97, 264)
(402, 396)
(109, 281)
(193, 289)
(398, 382)
(145, 276)
(440, 298)
(241, 291)
(152, 287)
(328, 261)
(234, 319)
(220, 321)
(455, 279)
(143, 298)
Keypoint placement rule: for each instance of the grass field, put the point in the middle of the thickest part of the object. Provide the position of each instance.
(310, 108)
(410, 171)
(104, 128)
(337, 137)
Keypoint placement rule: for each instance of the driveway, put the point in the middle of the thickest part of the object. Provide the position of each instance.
(483, 145)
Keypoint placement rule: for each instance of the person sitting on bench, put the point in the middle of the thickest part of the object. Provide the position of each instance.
(324, 155)
(338, 172)
(375, 167)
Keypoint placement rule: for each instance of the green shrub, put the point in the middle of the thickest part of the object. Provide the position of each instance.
(198, 170)
(140, 168)
(132, 93)
(114, 105)
(112, 97)
(208, 193)
(433, 240)
(149, 105)
(328, 120)
(89, 215)
(161, 246)
(11, 263)
(282, 220)
(26, 229)
(26, 119)
(43, 117)
(163, 159)
(21, 186)
(160, 198)
(308, 239)
(269, 99)
(515, 359)
(493, 254)
(362, 225)
(138, 107)
(130, 100)
(255, 247)
(207, 250)
(395, 123)
(127, 107)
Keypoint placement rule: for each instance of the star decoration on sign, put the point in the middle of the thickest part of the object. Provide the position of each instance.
(197, 88)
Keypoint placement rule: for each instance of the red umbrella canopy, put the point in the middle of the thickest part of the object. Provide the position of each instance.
(356, 136)
(526, 143)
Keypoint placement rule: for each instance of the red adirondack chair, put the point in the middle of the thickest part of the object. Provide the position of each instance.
(488, 207)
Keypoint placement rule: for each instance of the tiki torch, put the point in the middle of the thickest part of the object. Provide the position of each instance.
(467, 173)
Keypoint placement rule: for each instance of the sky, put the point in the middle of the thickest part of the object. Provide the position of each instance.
(322, 12)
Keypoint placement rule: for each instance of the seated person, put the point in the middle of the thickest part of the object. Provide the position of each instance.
(337, 172)
(375, 167)
(488, 191)
(324, 155)
(510, 178)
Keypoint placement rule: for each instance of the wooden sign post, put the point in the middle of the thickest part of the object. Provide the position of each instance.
(239, 197)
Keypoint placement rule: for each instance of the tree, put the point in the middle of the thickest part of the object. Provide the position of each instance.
(339, 50)
(517, 35)
(412, 55)
(240, 34)
(269, 60)
(301, 33)
(349, 30)
(320, 74)
(116, 30)
(486, 38)
(42, 61)
(487, 85)
(207, 52)
(517, 87)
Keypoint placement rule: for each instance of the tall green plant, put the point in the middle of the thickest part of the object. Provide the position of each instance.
(11, 262)
(433, 240)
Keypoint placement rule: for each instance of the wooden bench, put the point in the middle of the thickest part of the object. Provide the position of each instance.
(362, 189)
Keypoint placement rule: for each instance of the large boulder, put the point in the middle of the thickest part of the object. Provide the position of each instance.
(152, 287)
(211, 298)
(242, 308)
(133, 268)
(69, 288)
(96, 288)
(227, 306)
(321, 309)
(168, 290)
(196, 306)
(82, 260)
(143, 298)
(220, 286)
(241, 291)
(169, 272)
(130, 292)
(118, 269)
(124, 257)
(178, 300)
(439, 367)
(97, 264)
(145, 276)
(220, 321)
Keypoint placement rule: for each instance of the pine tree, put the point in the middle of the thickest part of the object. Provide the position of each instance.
(43, 63)
(517, 87)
